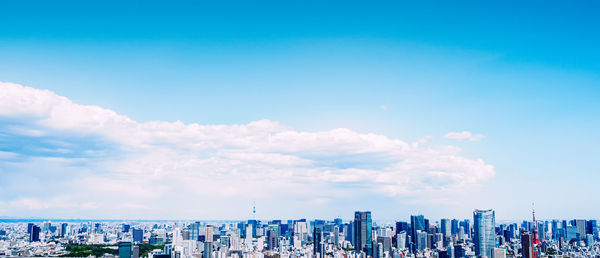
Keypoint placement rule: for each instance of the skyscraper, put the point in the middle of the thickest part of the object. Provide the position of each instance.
(272, 238)
(29, 227)
(125, 250)
(592, 227)
(466, 224)
(527, 244)
(34, 236)
(318, 241)
(485, 234)
(363, 238)
(336, 236)
(63, 229)
(138, 235)
(401, 240)
(195, 231)
(402, 226)
(445, 227)
(454, 227)
(208, 242)
(581, 228)
(421, 240)
(417, 223)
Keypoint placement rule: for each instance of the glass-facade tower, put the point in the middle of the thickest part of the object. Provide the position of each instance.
(363, 227)
(485, 234)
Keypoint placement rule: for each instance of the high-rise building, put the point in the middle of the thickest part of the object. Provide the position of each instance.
(581, 227)
(125, 250)
(272, 239)
(249, 233)
(466, 224)
(445, 227)
(208, 234)
(63, 229)
(363, 238)
(318, 241)
(208, 249)
(485, 232)
(135, 252)
(401, 240)
(386, 241)
(336, 236)
(378, 252)
(138, 235)
(417, 223)
(421, 241)
(195, 231)
(208, 242)
(572, 233)
(592, 227)
(527, 244)
(455, 227)
(34, 236)
(402, 226)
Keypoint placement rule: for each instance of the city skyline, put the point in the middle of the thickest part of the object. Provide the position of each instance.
(191, 110)
(421, 237)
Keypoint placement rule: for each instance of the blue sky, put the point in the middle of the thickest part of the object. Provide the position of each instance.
(525, 75)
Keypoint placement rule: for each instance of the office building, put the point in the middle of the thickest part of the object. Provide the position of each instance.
(527, 250)
(138, 235)
(363, 232)
(34, 236)
(445, 227)
(484, 236)
(417, 223)
(125, 250)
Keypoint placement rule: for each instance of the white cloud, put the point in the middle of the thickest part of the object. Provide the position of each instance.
(464, 136)
(177, 166)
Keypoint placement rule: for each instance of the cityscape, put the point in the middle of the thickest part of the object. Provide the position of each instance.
(479, 236)
(299, 129)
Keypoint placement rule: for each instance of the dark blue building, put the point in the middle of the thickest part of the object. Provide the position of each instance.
(363, 232)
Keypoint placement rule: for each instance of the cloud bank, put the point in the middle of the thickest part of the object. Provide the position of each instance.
(60, 157)
(464, 136)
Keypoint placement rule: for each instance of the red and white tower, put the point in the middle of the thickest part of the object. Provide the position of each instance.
(536, 240)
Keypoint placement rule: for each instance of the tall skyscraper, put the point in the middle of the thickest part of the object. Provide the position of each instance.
(454, 227)
(318, 241)
(421, 241)
(592, 227)
(336, 236)
(466, 224)
(417, 223)
(402, 226)
(363, 232)
(485, 232)
(138, 235)
(63, 229)
(401, 240)
(581, 227)
(208, 242)
(527, 244)
(195, 231)
(272, 238)
(29, 227)
(445, 227)
(34, 236)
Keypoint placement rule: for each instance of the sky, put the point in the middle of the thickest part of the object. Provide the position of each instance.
(309, 109)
